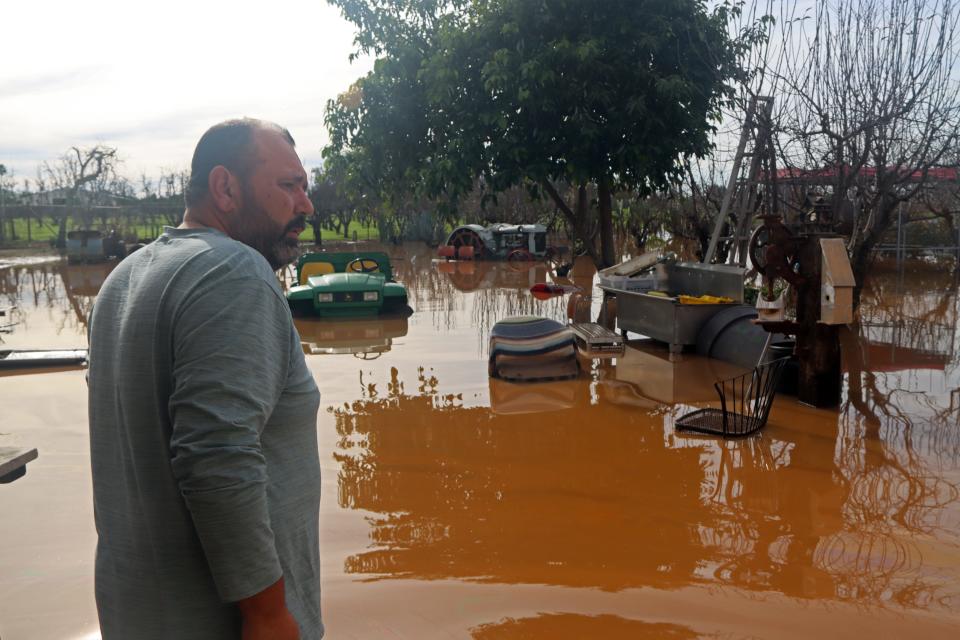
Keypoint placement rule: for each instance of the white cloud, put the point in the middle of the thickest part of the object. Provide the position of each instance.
(149, 78)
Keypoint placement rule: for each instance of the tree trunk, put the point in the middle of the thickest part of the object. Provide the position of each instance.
(315, 223)
(860, 264)
(576, 219)
(862, 252)
(607, 250)
(62, 232)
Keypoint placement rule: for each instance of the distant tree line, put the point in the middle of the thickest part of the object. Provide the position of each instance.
(83, 188)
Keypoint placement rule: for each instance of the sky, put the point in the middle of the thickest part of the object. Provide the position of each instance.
(150, 78)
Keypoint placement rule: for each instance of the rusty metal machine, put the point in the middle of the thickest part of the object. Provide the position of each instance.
(813, 260)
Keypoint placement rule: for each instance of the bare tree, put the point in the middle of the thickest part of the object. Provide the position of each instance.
(869, 102)
(146, 186)
(79, 170)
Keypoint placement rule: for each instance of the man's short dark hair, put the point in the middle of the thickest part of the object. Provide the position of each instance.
(230, 144)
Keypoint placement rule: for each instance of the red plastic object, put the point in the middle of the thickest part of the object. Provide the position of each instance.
(447, 251)
(465, 252)
(544, 290)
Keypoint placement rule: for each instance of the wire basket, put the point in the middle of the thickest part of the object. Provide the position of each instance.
(745, 403)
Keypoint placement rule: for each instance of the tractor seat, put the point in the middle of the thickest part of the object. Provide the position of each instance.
(310, 269)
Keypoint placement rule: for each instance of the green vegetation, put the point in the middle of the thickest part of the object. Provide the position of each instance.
(613, 93)
(355, 229)
(46, 233)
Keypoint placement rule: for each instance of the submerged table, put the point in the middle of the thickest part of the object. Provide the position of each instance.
(13, 462)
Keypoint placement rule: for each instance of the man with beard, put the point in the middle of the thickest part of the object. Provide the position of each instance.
(206, 474)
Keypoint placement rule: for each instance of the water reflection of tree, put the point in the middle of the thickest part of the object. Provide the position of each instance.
(460, 492)
(892, 457)
(918, 313)
(457, 295)
(477, 293)
(899, 437)
(898, 472)
(596, 496)
(772, 501)
(825, 517)
(66, 292)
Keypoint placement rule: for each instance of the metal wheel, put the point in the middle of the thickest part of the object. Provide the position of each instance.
(761, 239)
(467, 237)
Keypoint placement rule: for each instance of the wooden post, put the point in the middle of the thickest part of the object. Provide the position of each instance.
(818, 345)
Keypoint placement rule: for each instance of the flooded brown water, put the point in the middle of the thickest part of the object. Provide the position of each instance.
(455, 506)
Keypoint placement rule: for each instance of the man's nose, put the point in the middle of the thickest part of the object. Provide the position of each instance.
(305, 206)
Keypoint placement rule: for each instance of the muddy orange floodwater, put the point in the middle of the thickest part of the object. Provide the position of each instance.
(455, 506)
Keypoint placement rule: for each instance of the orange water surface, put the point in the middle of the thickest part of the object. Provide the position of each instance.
(456, 506)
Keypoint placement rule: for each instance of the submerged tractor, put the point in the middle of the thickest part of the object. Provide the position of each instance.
(501, 241)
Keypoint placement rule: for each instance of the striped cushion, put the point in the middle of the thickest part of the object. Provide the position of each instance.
(526, 327)
(532, 348)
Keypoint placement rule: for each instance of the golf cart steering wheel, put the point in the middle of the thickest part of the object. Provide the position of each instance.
(363, 265)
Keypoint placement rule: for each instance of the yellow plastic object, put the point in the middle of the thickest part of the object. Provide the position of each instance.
(659, 294)
(704, 299)
(311, 269)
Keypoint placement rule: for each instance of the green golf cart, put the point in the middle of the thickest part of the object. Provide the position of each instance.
(346, 284)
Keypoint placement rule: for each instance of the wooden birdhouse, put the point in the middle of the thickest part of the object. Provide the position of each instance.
(836, 283)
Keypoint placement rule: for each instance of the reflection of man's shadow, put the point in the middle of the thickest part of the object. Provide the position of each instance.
(362, 337)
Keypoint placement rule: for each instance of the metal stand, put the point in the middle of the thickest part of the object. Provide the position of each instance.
(745, 403)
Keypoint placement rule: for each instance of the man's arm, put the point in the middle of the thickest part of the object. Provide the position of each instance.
(265, 615)
(231, 353)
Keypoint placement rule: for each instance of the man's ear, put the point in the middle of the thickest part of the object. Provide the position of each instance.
(224, 189)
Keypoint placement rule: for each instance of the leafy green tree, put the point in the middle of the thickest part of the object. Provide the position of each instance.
(613, 93)
(332, 204)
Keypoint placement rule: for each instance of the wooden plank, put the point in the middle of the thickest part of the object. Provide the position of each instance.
(13, 460)
(633, 266)
(836, 283)
(836, 264)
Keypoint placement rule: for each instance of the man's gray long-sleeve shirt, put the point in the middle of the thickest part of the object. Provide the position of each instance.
(203, 440)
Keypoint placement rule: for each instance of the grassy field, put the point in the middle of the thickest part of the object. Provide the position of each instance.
(356, 231)
(46, 234)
